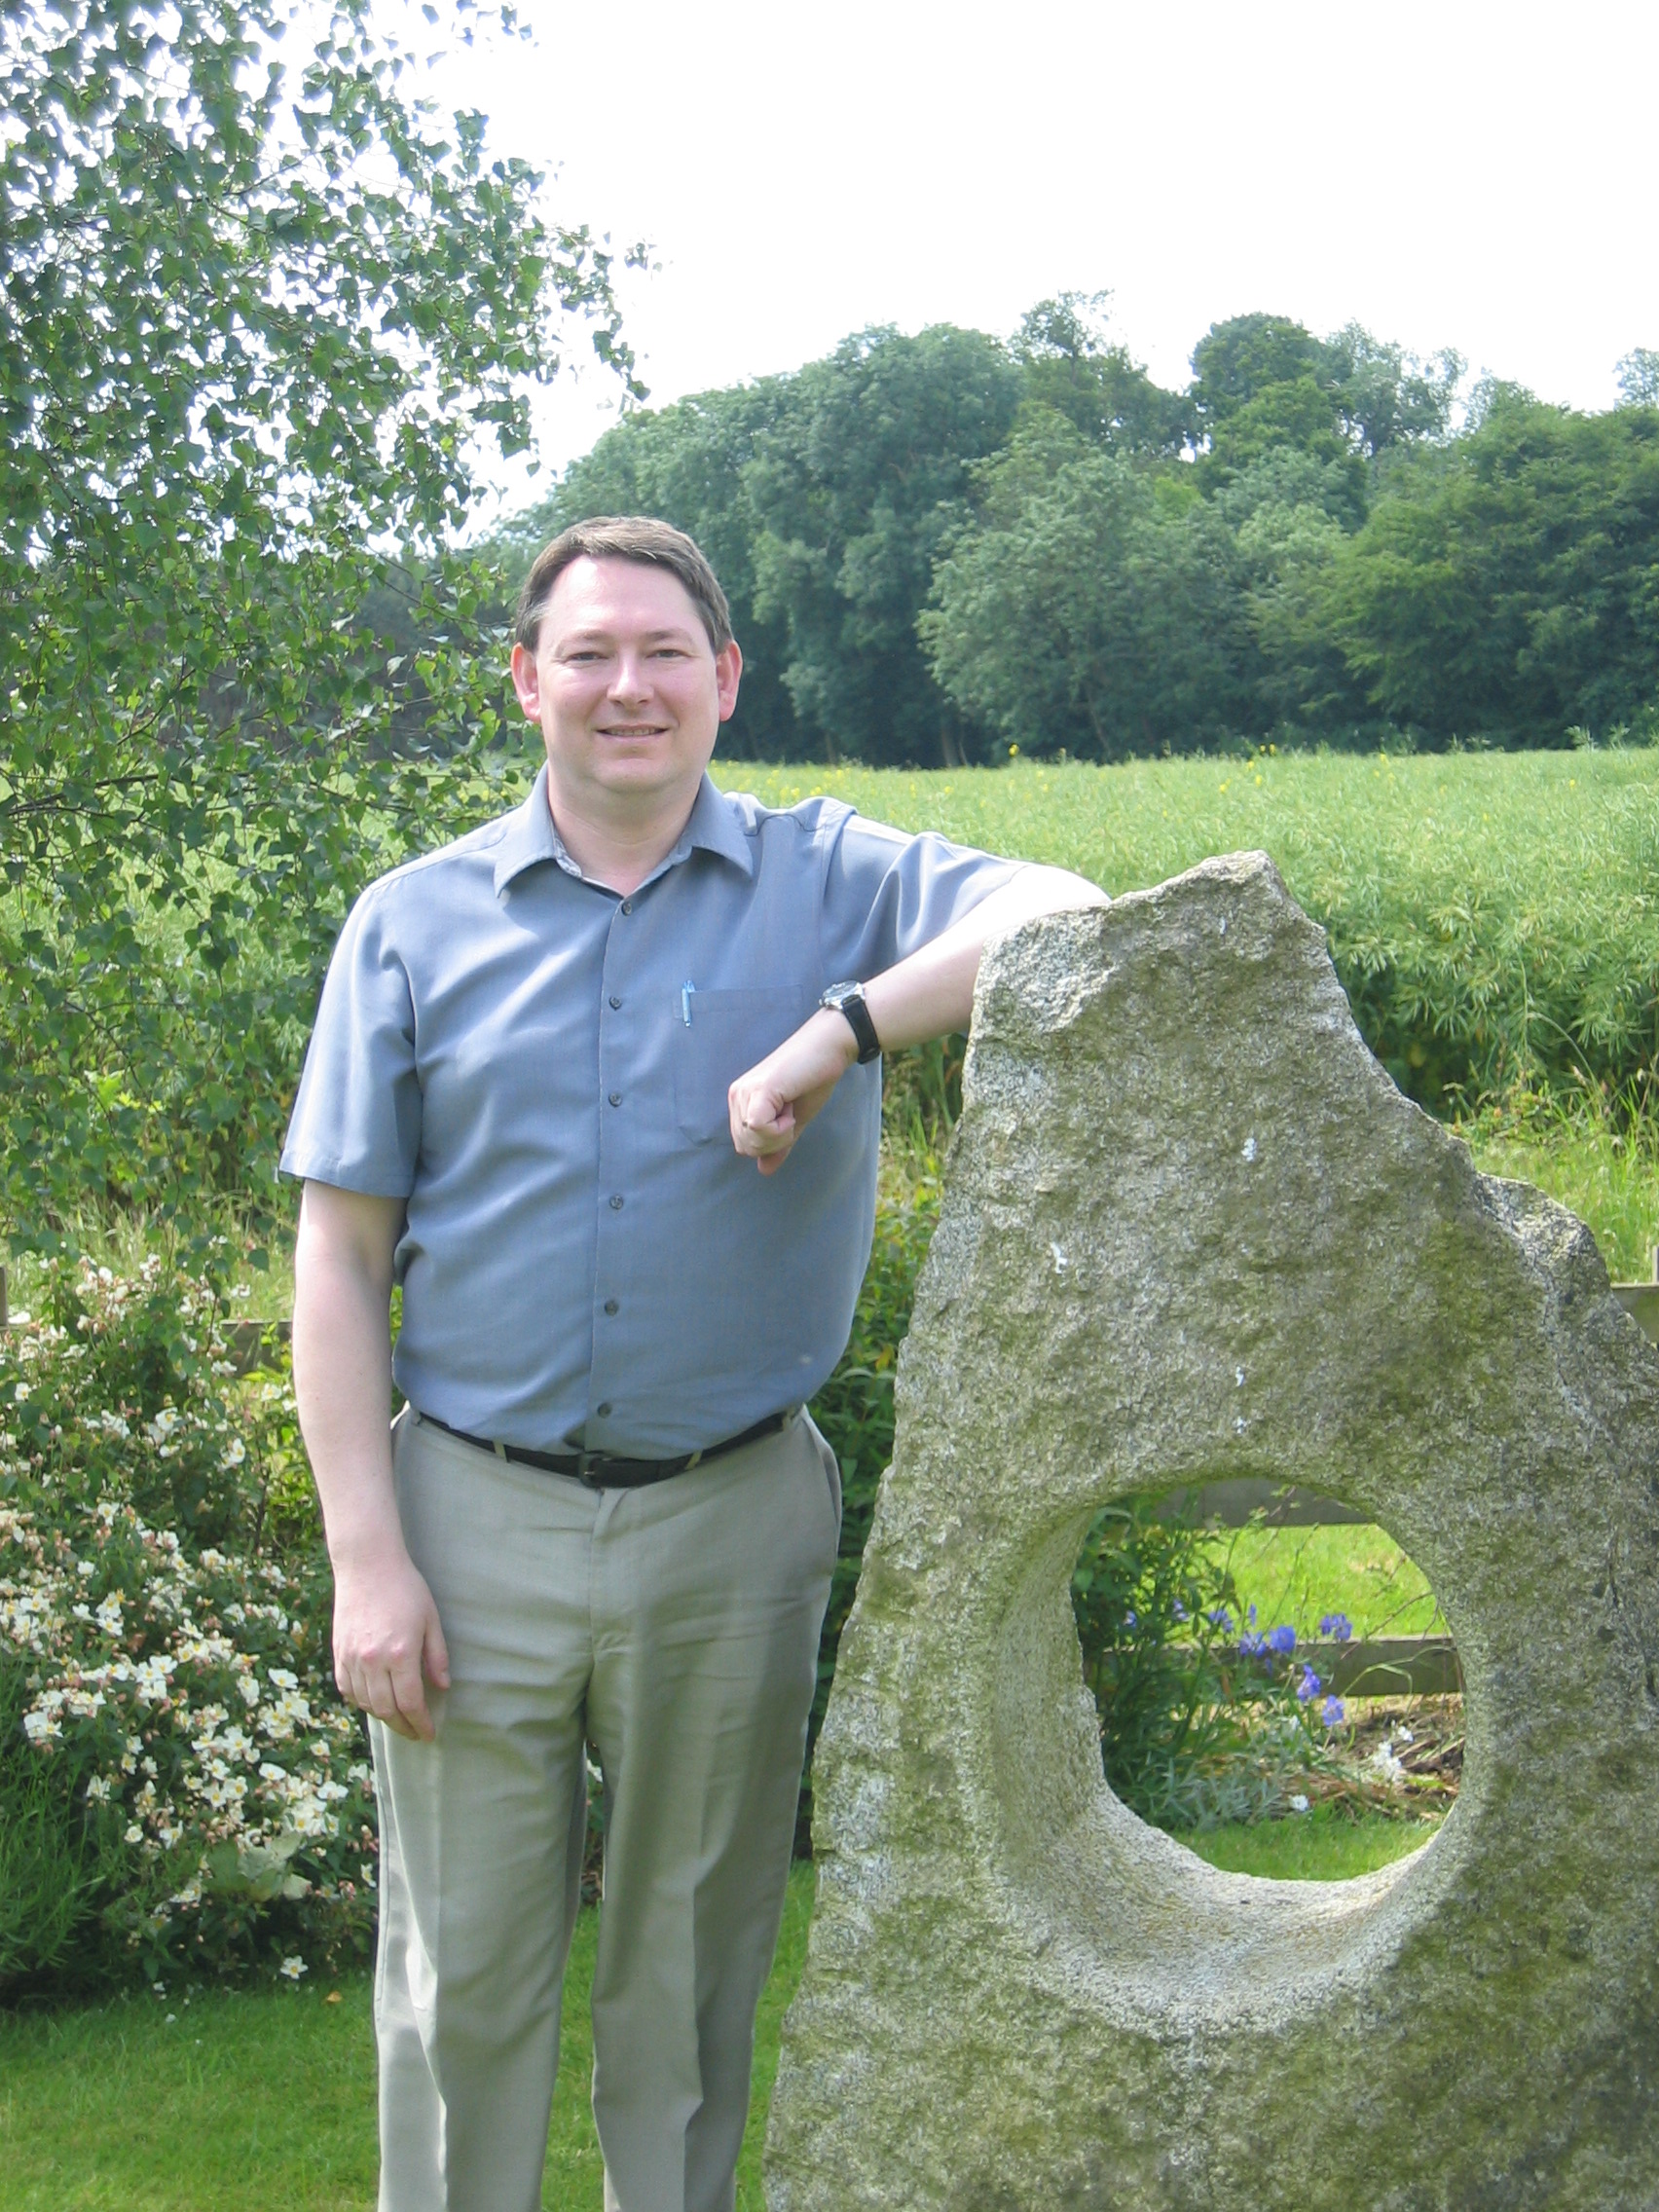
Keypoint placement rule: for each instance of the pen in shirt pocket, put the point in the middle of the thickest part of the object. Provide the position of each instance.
(686, 993)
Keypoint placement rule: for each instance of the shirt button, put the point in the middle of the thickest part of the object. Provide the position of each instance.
(616, 1202)
(604, 1408)
(610, 1305)
(627, 906)
(615, 1098)
(615, 1000)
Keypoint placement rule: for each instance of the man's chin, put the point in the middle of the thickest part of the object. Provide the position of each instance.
(658, 765)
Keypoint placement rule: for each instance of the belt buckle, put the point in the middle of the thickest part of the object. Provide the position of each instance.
(586, 1461)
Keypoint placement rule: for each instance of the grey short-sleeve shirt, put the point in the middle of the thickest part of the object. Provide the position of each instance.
(540, 1068)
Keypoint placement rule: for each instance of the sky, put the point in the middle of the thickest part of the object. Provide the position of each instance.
(1463, 174)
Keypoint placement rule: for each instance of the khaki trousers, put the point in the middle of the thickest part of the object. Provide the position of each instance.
(674, 1630)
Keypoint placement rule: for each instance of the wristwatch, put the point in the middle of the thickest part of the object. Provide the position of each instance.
(848, 998)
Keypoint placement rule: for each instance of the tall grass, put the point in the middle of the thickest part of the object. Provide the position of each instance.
(1594, 1153)
(1495, 917)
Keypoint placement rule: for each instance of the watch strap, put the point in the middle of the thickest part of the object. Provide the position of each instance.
(848, 998)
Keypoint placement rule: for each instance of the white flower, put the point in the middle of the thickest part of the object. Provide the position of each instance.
(292, 1968)
(162, 1426)
(109, 1614)
(133, 1834)
(249, 1686)
(1387, 1764)
(236, 1452)
(97, 1788)
(283, 1679)
(1299, 1803)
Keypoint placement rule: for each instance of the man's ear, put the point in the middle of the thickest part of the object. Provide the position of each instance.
(728, 673)
(527, 683)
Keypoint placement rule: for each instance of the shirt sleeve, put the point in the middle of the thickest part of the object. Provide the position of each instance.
(356, 1121)
(887, 895)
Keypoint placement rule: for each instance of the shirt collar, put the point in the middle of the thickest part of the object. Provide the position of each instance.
(530, 835)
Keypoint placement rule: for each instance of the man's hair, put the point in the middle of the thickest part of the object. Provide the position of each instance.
(624, 537)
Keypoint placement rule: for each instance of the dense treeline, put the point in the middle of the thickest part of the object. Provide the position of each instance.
(942, 546)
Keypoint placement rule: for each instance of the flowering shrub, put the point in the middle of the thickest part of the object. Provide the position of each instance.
(1199, 1719)
(180, 1787)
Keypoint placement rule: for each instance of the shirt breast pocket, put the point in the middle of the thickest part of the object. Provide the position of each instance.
(727, 1033)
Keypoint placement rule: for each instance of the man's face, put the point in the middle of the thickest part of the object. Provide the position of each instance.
(624, 684)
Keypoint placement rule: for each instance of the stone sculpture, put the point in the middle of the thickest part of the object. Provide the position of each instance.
(1191, 1232)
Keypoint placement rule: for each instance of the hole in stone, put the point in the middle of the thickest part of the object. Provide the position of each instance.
(1276, 1682)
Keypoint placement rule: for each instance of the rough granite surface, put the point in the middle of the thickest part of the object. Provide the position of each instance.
(1191, 1232)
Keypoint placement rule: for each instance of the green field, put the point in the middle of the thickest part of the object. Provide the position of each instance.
(1493, 916)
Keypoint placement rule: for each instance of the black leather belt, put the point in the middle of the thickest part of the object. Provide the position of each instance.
(602, 1472)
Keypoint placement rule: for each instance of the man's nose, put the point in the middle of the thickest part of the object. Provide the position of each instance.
(632, 680)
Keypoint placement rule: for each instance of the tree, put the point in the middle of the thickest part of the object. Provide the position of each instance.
(1290, 516)
(1237, 361)
(1507, 587)
(1638, 378)
(1261, 382)
(854, 487)
(1071, 367)
(257, 326)
(1388, 398)
(1094, 606)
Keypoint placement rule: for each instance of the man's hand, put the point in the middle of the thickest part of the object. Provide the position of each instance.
(773, 1102)
(387, 1642)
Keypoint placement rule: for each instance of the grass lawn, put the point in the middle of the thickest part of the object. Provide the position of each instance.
(1324, 1845)
(1298, 1574)
(265, 2101)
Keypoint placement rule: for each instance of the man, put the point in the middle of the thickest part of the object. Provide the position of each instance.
(573, 1084)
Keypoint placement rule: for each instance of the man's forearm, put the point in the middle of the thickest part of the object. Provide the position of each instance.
(928, 995)
(932, 992)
